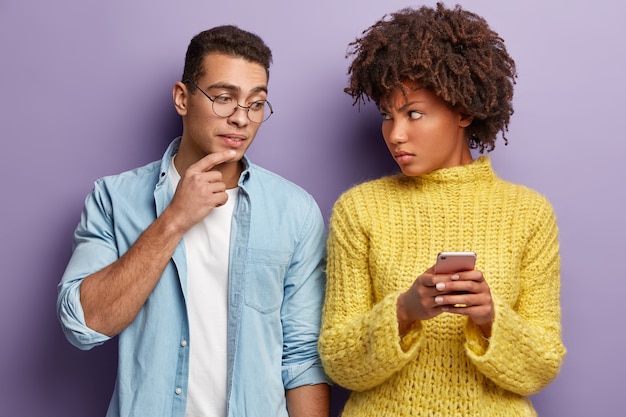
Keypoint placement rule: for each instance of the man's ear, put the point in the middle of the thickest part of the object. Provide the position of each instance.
(465, 120)
(180, 94)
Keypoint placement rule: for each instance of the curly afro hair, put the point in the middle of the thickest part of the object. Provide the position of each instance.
(452, 52)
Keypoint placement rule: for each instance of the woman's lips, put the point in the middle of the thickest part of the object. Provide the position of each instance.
(402, 157)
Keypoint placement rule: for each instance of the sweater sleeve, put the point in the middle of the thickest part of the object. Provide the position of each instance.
(359, 343)
(525, 351)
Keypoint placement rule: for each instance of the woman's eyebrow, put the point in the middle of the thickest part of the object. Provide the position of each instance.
(407, 105)
(385, 108)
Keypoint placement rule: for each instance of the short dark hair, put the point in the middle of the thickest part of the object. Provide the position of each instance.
(229, 40)
(452, 52)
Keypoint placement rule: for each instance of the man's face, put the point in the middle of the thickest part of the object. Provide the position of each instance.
(205, 132)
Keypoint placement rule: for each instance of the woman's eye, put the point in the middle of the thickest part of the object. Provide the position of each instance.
(385, 116)
(414, 115)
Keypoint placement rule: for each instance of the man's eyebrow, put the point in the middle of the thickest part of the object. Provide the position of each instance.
(235, 89)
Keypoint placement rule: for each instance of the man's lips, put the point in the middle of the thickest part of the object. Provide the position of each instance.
(234, 140)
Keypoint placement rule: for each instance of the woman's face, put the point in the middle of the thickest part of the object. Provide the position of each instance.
(422, 132)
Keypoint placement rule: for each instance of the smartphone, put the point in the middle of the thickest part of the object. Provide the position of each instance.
(451, 262)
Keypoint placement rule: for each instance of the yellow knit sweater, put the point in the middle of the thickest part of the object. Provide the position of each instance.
(383, 235)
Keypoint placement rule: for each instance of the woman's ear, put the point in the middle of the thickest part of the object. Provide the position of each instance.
(180, 95)
(465, 120)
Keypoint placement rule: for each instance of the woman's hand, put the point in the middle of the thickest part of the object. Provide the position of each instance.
(465, 293)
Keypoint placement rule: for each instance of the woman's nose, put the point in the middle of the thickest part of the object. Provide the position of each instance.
(394, 132)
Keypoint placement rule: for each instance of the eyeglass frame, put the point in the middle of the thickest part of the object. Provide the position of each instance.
(247, 108)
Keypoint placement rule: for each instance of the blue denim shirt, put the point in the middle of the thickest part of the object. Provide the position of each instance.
(276, 291)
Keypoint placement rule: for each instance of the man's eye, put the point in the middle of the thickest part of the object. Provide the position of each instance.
(257, 105)
(414, 115)
(224, 99)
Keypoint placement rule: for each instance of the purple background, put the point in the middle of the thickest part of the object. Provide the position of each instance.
(86, 92)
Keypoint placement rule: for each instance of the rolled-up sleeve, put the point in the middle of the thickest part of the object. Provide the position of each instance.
(301, 310)
(93, 249)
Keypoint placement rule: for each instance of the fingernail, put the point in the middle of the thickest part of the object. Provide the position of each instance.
(440, 286)
(454, 277)
(439, 300)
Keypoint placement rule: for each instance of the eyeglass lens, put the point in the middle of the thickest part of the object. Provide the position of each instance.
(225, 105)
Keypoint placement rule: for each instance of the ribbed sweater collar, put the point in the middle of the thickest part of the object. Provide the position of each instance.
(479, 170)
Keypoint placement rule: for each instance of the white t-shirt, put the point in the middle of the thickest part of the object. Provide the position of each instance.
(207, 248)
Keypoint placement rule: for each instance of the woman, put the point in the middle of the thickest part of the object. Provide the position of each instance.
(405, 340)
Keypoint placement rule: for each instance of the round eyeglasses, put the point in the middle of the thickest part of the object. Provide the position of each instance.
(225, 105)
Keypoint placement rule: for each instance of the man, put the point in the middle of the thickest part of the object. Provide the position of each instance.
(208, 268)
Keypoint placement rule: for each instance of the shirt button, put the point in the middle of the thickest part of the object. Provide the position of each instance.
(183, 343)
(179, 391)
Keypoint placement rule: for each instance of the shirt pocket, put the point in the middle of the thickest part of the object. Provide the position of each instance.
(266, 269)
